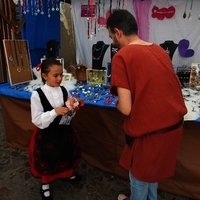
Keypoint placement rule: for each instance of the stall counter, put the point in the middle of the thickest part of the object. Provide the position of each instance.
(99, 129)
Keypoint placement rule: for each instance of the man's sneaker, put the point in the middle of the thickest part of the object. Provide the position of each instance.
(123, 197)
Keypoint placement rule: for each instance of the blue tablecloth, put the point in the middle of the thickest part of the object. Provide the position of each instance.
(15, 91)
(99, 95)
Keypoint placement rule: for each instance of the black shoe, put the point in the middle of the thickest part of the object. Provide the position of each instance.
(44, 197)
(76, 178)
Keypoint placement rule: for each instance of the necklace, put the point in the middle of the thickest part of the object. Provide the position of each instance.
(167, 50)
(25, 52)
(14, 54)
(98, 51)
(9, 53)
(20, 55)
(17, 56)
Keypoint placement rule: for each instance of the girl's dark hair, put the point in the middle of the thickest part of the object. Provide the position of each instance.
(46, 64)
(123, 20)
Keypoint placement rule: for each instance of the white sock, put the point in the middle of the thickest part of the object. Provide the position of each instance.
(72, 177)
(45, 186)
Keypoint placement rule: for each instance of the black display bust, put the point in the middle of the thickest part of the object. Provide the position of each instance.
(169, 47)
(52, 46)
(98, 52)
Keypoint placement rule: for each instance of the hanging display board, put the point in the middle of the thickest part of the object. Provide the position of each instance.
(18, 61)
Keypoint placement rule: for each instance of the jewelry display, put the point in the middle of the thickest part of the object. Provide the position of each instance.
(170, 47)
(96, 14)
(98, 52)
(194, 81)
(10, 57)
(52, 46)
(13, 52)
(96, 76)
(37, 7)
(93, 94)
(183, 73)
(18, 61)
(192, 102)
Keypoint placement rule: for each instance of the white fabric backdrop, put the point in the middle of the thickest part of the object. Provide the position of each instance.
(174, 29)
(178, 28)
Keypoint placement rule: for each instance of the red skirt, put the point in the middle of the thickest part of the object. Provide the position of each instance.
(65, 169)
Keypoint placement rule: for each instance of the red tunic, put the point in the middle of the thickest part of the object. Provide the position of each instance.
(157, 103)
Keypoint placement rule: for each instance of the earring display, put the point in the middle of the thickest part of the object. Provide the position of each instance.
(195, 76)
(96, 76)
(183, 73)
(18, 61)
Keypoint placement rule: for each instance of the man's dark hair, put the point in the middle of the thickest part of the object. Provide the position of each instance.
(123, 20)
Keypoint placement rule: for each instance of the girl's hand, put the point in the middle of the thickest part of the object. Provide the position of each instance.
(62, 110)
(72, 103)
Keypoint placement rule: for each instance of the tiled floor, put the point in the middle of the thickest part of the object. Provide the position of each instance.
(17, 183)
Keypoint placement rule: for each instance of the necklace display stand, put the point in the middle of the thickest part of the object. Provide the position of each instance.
(18, 61)
(170, 47)
(51, 48)
(98, 52)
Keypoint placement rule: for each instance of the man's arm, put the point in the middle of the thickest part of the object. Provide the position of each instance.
(124, 101)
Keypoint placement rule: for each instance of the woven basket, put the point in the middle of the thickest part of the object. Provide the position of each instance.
(80, 72)
(71, 69)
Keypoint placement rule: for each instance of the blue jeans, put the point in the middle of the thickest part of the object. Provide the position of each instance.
(142, 190)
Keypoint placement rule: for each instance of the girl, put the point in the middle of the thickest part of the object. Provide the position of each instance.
(54, 151)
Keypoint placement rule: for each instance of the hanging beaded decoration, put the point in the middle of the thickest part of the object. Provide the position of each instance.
(37, 6)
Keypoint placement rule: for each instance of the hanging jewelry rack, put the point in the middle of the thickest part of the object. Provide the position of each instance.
(37, 7)
(18, 61)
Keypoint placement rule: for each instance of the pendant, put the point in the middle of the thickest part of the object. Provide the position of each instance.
(18, 69)
(167, 50)
(11, 58)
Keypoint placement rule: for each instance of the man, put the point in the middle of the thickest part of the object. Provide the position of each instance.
(149, 95)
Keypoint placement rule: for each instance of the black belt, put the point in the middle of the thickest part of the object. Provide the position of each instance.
(130, 140)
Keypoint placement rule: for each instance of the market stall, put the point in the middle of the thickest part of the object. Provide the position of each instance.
(99, 128)
(98, 124)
